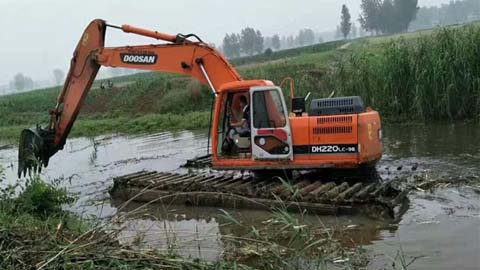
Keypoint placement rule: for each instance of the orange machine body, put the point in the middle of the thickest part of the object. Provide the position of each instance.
(309, 135)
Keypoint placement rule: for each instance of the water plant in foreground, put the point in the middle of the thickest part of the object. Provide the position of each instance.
(37, 232)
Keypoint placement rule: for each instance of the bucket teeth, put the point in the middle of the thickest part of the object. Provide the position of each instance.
(34, 150)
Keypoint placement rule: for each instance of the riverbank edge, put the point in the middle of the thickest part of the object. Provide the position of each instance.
(153, 123)
(146, 124)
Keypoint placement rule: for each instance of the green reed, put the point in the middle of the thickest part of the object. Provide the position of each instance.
(433, 77)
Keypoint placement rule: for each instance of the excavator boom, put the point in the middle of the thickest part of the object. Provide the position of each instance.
(180, 56)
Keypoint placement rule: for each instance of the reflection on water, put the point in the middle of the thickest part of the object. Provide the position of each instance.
(199, 233)
(433, 151)
(186, 230)
(436, 141)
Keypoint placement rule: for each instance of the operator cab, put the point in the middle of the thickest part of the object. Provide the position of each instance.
(254, 124)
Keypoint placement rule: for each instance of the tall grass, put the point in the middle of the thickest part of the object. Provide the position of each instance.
(308, 77)
(433, 77)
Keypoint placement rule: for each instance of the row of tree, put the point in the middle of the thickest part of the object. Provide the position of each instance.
(394, 16)
(248, 42)
(22, 82)
(251, 41)
(377, 17)
(455, 12)
(304, 37)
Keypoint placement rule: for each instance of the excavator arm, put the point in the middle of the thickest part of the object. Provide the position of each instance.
(179, 56)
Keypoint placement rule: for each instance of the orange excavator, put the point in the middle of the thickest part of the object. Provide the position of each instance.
(252, 128)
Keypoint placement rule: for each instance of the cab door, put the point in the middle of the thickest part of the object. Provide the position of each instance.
(270, 125)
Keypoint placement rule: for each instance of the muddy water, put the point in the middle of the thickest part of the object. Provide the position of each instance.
(441, 228)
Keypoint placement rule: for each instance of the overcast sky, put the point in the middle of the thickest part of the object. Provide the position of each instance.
(40, 35)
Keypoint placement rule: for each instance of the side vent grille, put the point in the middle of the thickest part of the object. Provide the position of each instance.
(336, 106)
(332, 120)
(332, 130)
(335, 102)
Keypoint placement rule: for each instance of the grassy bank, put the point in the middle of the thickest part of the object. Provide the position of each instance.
(150, 123)
(140, 103)
(432, 75)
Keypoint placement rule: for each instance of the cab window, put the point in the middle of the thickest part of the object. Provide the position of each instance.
(268, 111)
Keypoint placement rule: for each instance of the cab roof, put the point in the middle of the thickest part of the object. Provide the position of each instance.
(243, 85)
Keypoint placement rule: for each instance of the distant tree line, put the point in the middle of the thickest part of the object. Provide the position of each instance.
(395, 16)
(378, 17)
(21, 82)
(455, 12)
(250, 41)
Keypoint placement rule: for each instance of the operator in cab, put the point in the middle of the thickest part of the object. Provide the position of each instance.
(242, 127)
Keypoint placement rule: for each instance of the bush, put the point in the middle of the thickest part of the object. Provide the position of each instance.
(268, 52)
(42, 198)
(36, 197)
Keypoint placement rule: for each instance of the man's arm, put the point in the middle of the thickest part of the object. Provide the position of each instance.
(239, 123)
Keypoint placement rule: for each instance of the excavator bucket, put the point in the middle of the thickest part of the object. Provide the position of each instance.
(37, 145)
(34, 150)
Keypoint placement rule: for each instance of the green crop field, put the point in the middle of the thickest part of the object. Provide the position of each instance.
(423, 76)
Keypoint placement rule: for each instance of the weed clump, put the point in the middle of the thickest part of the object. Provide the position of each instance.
(40, 198)
(35, 233)
(35, 197)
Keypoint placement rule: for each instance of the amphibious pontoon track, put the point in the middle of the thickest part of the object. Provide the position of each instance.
(227, 190)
